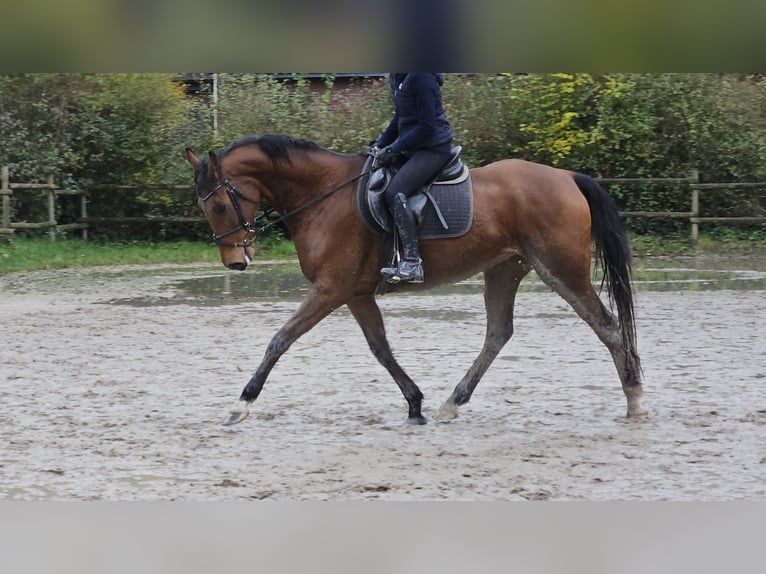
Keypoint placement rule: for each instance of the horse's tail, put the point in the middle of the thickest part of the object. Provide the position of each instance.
(614, 254)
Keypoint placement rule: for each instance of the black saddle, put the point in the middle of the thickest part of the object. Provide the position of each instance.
(443, 208)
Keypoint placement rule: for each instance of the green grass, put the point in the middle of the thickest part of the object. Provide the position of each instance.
(645, 245)
(28, 254)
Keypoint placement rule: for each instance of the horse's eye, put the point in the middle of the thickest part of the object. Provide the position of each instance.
(219, 208)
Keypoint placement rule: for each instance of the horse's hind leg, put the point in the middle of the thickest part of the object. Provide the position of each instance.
(501, 283)
(570, 279)
(367, 314)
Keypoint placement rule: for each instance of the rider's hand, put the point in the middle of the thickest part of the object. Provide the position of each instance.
(386, 156)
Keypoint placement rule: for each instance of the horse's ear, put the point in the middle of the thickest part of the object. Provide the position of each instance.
(192, 158)
(213, 169)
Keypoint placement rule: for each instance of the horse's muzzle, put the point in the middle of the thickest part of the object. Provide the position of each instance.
(237, 259)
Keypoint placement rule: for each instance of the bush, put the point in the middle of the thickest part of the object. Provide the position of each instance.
(342, 118)
(91, 129)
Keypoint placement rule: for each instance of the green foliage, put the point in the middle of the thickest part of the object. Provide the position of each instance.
(667, 124)
(557, 118)
(93, 129)
(336, 116)
(90, 129)
(87, 128)
(479, 110)
(625, 125)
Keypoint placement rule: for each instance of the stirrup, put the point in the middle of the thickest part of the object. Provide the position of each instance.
(405, 271)
(411, 271)
(391, 275)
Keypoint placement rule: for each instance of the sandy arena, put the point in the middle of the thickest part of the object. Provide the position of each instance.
(114, 382)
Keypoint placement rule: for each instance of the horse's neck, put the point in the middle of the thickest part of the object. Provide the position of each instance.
(306, 178)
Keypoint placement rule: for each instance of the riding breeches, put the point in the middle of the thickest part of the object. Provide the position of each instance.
(418, 170)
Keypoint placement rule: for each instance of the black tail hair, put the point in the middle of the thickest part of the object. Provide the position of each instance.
(614, 254)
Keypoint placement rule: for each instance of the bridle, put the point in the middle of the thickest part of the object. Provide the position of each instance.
(250, 227)
(244, 225)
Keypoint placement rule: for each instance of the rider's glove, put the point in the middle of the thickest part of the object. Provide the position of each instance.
(386, 156)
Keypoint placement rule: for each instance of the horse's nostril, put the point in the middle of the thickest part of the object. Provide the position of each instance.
(238, 266)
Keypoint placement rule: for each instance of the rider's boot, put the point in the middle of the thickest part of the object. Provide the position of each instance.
(410, 266)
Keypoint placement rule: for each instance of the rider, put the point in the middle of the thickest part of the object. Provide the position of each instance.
(419, 140)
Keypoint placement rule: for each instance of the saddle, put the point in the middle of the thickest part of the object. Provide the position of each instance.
(443, 208)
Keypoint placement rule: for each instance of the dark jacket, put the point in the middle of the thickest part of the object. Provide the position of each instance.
(419, 120)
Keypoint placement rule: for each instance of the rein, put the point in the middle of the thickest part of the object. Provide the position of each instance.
(310, 203)
(251, 232)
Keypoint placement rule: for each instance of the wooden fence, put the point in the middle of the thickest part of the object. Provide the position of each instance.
(7, 227)
(52, 192)
(83, 222)
(693, 215)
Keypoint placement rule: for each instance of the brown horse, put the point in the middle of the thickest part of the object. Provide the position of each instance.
(525, 216)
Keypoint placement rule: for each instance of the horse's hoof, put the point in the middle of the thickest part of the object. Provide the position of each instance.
(237, 413)
(635, 410)
(421, 420)
(447, 412)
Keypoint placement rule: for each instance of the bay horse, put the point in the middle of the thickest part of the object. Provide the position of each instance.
(525, 216)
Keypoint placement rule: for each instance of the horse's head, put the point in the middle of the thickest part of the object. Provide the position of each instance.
(229, 210)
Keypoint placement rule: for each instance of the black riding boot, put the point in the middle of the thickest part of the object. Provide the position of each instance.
(410, 267)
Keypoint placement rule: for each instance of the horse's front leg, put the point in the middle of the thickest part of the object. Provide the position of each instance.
(315, 307)
(367, 314)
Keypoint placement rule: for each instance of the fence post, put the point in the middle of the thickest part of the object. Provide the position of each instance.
(694, 178)
(84, 213)
(51, 210)
(5, 187)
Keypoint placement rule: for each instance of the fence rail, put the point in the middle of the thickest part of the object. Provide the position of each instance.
(83, 222)
(692, 181)
(8, 227)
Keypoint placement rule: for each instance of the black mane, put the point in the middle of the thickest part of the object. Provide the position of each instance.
(276, 146)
